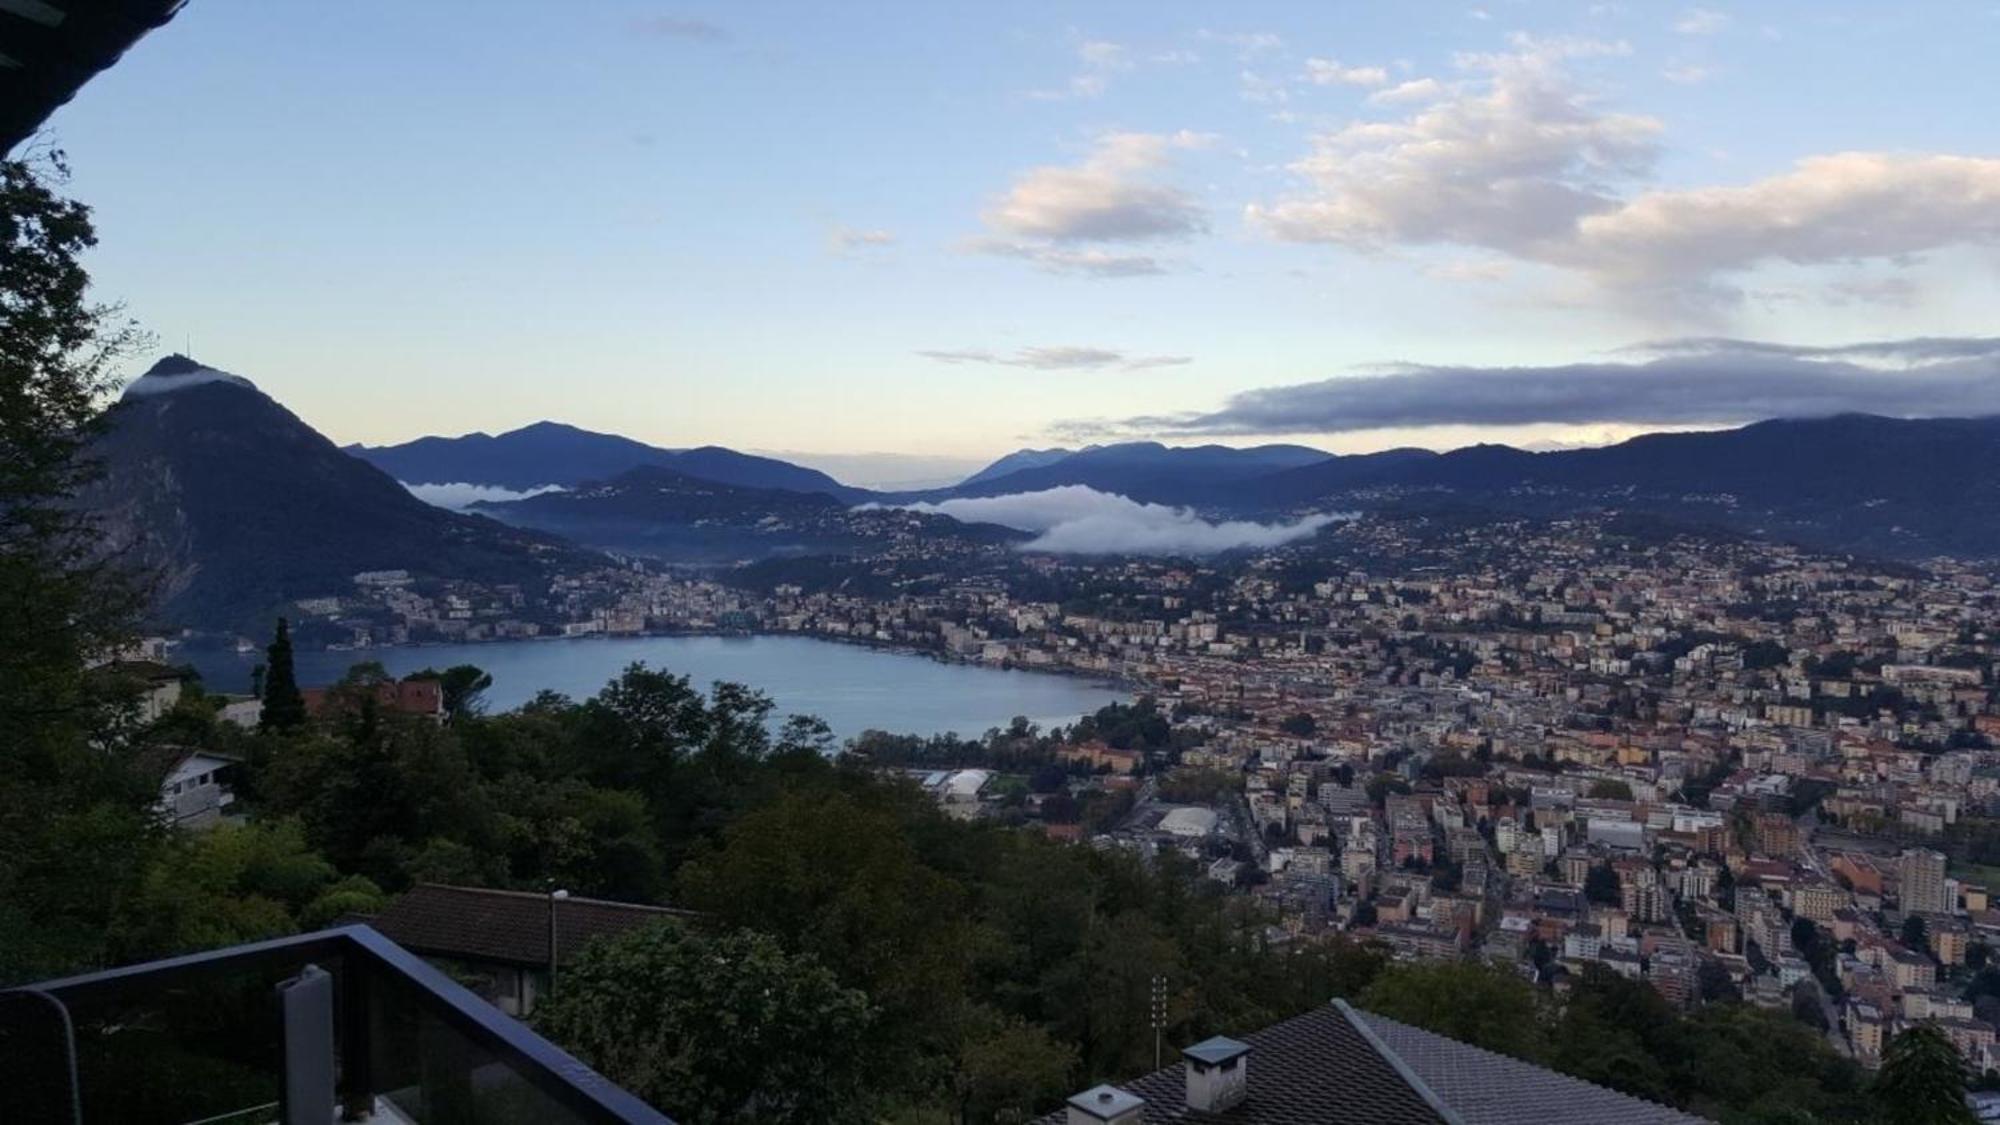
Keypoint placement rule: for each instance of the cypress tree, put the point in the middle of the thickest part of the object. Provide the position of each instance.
(284, 707)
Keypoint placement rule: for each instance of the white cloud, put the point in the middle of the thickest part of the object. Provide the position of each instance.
(1058, 358)
(843, 239)
(1099, 61)
(1328, 72)
(1079, 263)
(1518, 159)
(460, 496)
(1414, 91)
(1686, 74)
(1511, 164)
(1844, 207)
(1076, 519)
(1113, 195)
(1248, 44)
(1701, 21)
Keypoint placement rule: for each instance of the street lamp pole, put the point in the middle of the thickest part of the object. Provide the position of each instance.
(555, 896)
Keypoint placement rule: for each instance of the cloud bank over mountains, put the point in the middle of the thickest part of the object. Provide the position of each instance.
(1080, 520)
(1689, 381)
(460, 496)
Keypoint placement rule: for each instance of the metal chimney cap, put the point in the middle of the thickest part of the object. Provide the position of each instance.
(1106, 1102)
(1216, 1051)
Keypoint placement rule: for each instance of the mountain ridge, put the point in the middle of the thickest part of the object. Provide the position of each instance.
(237, 507)
(557, 453)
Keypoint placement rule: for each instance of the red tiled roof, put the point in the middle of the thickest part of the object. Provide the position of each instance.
(480, 924)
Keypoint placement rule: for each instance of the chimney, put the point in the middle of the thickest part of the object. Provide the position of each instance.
(1105, 1105)
(1218, 1074)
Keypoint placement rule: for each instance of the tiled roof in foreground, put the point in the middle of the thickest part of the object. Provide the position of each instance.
(1337, 1065)
(1314, 1069)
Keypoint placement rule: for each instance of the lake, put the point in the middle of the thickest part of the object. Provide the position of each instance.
(852, 687)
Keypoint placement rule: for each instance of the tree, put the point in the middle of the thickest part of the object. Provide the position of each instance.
(284, 707)
(74, 812)
(1922, 1080)
(1600, 884)
(1007, 1067)
(235, 883)
(1610, 789)
(716, 1028)
(1300, 725)
(462, 685)
(1916, 934)
(1473, 1003)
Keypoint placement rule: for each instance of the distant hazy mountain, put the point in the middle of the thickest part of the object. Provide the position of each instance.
(554, 453)
(240, 508)
(672, 515)
(1015, 462)
(1150, 472)
(1853, 482)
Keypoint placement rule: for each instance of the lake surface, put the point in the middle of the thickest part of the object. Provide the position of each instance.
(852, 687)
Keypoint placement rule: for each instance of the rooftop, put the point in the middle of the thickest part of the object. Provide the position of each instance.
(477, 923)
(1337, 1065)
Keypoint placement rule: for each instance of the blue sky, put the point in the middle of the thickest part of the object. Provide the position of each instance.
(955, 229)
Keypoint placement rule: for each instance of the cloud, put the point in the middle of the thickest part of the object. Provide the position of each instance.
(1838, 208)
(845, 240)
(460, 496)
(1407, 93)
(1081, 263)
(1059, 358)
(1099, 61)
(1517, 159)
(680, 27)
(1701, 21)
(1248, 44)
(1079, 520)
(1327, 72)
(1113, 195)
(1686, 74)
(1689, 381)
(1511, 164)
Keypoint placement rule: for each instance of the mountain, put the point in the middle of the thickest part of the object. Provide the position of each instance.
(1887, 486)
(1150, 472)
(1016, 461)
(660, 512)
(553, 453)
(239, 508)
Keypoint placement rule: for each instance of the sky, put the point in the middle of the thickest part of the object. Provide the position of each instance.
(945, 231)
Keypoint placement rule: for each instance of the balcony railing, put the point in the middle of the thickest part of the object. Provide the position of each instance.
(340, 1025)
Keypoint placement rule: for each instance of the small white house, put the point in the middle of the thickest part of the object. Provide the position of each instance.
(197, 792)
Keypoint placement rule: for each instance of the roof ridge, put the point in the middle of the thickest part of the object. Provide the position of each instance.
(1394, 1058)
(1403, 1069)
(542, 896)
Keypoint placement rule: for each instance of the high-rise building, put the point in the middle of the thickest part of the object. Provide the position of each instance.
(1923, 882)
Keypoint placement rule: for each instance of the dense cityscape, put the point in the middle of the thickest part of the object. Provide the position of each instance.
(792, 564)
(1720, 766)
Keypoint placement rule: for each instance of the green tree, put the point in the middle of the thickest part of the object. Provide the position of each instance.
(1478, 1004)
(284, 707)
(717, 1029)
(1922, 1080)
(1916, 933)
(1007, 1067)
(1600, 884)
(1610, 789)
(463, 686)
(231, 884)
(74, 820)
